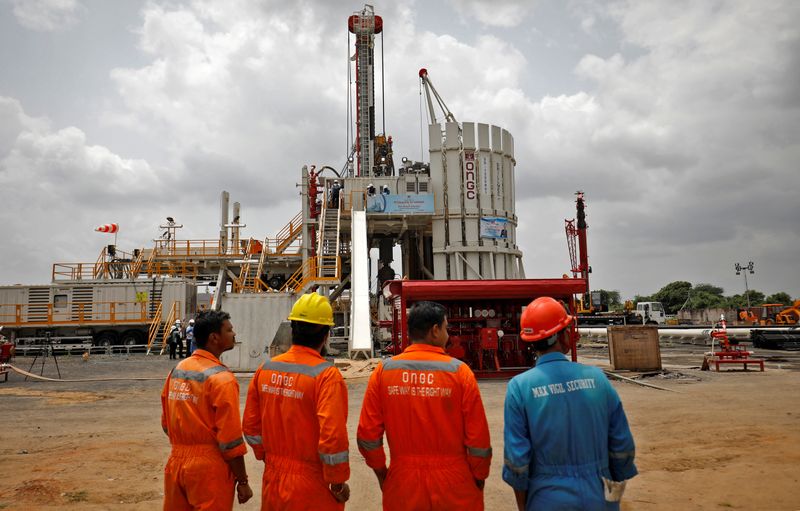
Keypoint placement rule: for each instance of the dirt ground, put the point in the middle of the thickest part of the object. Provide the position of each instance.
(728, 440)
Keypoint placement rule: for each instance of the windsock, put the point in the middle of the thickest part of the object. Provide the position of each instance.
(109, 228)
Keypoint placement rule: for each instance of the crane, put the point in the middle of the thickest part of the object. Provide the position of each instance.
(431, 90)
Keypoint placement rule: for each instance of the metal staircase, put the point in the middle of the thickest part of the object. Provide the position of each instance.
(247, 278)
(289, 233)
(159, 330)
(328, 244)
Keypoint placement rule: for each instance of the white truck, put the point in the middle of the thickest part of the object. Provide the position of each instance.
(652, 313)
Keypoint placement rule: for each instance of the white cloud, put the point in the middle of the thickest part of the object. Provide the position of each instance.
(58, 188)
(497, 13)
(47, 15)
(683, 135)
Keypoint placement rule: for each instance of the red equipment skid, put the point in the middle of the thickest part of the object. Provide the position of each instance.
(483, 316)
(730, 353)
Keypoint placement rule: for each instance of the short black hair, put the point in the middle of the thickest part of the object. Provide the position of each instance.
(545, 344)
(422, 317)
(206, 323)
(309, 335)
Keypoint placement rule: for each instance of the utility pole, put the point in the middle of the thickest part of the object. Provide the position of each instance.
(742, 269)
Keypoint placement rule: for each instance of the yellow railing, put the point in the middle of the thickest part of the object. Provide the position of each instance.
(136, 265)
(122, 265)
(171, 317)
(155, 327)
(316, 270)
(73, 271)
(240, 283)
(193, 248)
(69, 313)
(181, 258)
(289, 231)
(97, 272)
(174, 268)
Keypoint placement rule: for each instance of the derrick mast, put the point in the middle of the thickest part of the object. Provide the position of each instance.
(365, 24)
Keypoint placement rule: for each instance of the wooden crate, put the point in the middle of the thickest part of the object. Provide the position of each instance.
(634, 348)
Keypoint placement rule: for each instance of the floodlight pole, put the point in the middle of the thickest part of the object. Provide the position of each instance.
(742, 268)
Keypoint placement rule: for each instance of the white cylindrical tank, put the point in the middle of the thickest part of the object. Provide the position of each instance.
(474, 226)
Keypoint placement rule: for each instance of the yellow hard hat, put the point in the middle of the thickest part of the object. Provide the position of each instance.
(312, 308)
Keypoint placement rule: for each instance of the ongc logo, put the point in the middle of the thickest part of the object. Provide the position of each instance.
(469, 175)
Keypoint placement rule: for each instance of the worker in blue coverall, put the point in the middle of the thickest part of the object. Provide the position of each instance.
(567, 441)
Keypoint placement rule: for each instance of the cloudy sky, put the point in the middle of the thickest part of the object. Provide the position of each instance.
(679, 119)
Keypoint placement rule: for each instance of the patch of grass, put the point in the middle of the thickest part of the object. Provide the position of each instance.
(77, 496)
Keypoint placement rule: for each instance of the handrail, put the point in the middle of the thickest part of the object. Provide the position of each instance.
(173, 268)
(152, 332)
(321, 222)
(171, 317)
(98, 265)
(122, 265)
(74, 313)
(136, 264)
(244, 271)
(311, 272)
(180, 258)
(259, 269)
(287, 230)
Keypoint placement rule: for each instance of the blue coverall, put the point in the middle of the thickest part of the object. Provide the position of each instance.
(564, 429)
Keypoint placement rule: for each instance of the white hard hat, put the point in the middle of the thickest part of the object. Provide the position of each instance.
(370, 185)
(177, 321)
(191, 322)
(336, 181)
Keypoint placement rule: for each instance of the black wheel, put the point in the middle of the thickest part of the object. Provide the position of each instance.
(132, 338)
(276, 282)
(105, 339)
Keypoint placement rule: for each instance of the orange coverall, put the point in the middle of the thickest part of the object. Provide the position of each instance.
(200, 414)
(295, 419)
(430, 407)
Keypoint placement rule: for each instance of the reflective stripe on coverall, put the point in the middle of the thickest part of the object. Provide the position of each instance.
(200, 414)
(430, 407)
(564, 429)
(295, 419)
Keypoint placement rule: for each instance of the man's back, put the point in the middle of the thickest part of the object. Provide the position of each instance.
(287, 397)
(196, 402)
(424, 390)
(565, 430)
(429, 406)
(295, 420)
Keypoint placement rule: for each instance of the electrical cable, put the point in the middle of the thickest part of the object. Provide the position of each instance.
(64, 380)
(421, 122)
(349, 128)
(383, 90)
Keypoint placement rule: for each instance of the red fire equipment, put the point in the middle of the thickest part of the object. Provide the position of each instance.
(484, 318)
(729, 353)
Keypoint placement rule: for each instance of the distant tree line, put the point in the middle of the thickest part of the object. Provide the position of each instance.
(682, 295)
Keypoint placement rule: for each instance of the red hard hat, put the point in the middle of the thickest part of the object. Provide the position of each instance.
(543, 318)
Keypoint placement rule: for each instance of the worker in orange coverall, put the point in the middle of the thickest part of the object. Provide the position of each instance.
(200, 414)
(295, 418)
(429, 405)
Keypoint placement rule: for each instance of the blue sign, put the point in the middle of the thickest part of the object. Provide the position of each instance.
(408, 204)
(494, 227)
